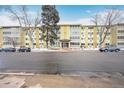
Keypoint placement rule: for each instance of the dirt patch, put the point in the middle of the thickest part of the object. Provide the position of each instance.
(82, 80)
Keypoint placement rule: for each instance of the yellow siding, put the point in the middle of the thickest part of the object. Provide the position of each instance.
(44, 41)
(22, 38)
(113, 39)
(94, 38)
(86, 37)
(37, 38)
(65, 32)
(104, 43)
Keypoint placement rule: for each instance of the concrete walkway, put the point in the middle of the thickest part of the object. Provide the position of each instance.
(70, 80)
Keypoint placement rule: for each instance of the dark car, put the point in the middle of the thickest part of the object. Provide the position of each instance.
(8, 50)
(24, 50)
(1, 49)
(110, 48)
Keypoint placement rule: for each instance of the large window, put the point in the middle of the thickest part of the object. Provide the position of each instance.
(34, 43)
(75, 37)
(6, 33)
(75, 26)
(120, 31)
(27, 43)
(120, 37)
(74, 43)
(121, 43)
(6, 43)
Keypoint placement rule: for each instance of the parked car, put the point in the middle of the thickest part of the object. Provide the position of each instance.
(9, 49)
(24, 50)
(110, 48)
(1, 49)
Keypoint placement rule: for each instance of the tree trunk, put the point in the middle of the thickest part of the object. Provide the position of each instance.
(102, 40)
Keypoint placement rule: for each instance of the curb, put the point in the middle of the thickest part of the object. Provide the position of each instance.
(26, 74)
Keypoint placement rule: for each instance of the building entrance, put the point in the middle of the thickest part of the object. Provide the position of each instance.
(65, 45)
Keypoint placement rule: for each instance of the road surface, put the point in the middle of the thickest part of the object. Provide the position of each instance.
(58, 62)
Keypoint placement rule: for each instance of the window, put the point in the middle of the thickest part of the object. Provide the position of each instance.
(74, 43)
(27, 43)
(90, 43)
(107, 43)
(15, 38)
(6, 33)
(5, 38)
(120, 37)
(108, 33)
(16, 33)
(34, 43)
(83, 44)
(90, 27)
(16, 43)
(121, 43)
(74, 26)
(90, 38)
(120, 31)
(90, 33)
(40, 38)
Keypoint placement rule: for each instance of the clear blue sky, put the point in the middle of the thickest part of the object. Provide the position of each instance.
(75, 12)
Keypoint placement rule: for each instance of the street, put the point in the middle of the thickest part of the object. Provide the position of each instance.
(60, 62)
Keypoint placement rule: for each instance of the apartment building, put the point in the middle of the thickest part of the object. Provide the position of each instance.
(10, 37)
(70, 36)
(32, 39)
(120, 35)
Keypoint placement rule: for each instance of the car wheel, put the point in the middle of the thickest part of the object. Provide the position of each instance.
(116, 50)
(105, 50)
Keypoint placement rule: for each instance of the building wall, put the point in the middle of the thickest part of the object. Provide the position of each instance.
(113, 37)
(65, 32)
(10, 37)
(89, 37)
(86, 37)
(120, 36)
(78, 36)
(75, 31)
(1, 38)
(95, 44)
(37, 38)
(22, 38)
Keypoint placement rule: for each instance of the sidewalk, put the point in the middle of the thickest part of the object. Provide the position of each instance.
(66, 49)
(51, 50)
(79, 80)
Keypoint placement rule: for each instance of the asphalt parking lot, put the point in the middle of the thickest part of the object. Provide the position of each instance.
(62, 62)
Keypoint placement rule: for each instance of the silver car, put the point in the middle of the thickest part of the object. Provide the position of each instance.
(110, 48)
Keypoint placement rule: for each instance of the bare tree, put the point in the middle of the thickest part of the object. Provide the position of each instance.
(27, 22)
(12, 41)
(104, 22)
